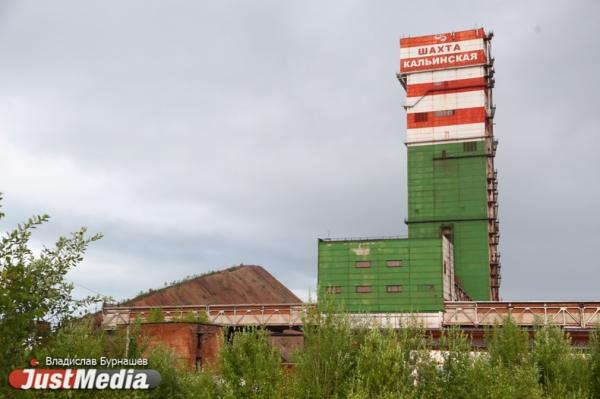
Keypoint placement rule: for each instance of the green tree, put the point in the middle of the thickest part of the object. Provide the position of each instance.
(562, 370)
(594, 364)
(326, 365)
(33, 288)
(458, 368)
(250, 366)
(384, 366)
(508, 345)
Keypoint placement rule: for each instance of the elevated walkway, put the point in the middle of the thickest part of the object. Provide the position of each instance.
(569, 315)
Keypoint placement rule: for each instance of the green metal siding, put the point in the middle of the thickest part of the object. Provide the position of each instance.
(447, 187)
(421, 266)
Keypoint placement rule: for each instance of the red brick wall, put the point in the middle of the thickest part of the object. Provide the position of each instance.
(199, 344)
(183, 339)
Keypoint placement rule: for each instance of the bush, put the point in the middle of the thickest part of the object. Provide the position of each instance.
(325, 366)
(250, 367)
(343, 360)
(156, 315)
(562, 371)
(200, 317)
(594, 365)
(384, 366)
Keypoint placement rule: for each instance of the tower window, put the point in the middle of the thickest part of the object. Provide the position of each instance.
(470, 146)
(393, 263)
(446, 112)
(362, 264)
(335, 289)
(421, 117)
(393, 288)
(364, 289)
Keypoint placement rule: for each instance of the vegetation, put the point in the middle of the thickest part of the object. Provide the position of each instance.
(195, 317)
(156, 315)
(250, 367)
(341, 360)
(33, 289)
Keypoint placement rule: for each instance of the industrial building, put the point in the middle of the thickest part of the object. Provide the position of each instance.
(446, 273)
(451, 252)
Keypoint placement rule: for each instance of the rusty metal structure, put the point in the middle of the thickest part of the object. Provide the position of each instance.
(575, 315)
(273, 315)
(577, 319)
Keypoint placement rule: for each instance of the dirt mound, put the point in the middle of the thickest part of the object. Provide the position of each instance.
(244, 284)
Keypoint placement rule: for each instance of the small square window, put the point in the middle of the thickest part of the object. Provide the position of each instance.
(421, 117)
(470, 146)
(362, 264)
(364, 289)
(393, 288)
(334, 289)
(393, 263)
(446, 112)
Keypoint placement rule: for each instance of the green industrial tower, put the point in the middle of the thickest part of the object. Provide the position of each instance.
(451, 251)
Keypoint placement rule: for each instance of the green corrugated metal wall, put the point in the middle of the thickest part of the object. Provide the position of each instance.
(447, 186)
(420, 274)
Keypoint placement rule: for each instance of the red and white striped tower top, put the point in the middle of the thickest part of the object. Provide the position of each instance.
(447, 86)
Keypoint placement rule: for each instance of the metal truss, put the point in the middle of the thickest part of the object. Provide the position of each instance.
(577, 315)
(572, 315)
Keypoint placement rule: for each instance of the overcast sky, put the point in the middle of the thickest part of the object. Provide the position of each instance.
(200, 135)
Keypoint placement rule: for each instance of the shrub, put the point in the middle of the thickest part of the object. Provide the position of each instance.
(156, 315)
(193, 317)
(384, 366)
(562, 371)
(325, 366)
(250, 366)
(594, 365)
